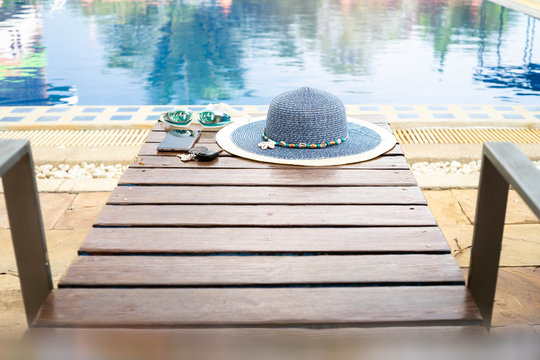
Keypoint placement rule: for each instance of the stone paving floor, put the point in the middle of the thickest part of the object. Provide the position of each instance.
(69, 216)
(517, 300)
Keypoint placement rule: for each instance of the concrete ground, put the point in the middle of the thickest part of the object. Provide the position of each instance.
(69, 216)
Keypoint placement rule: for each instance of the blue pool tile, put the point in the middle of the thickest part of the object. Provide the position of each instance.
(23, 110)
(128, 109)
(84, 118)
(472, 108)
(403, 108)
(444, 116)
(512, 116)
(532, 108)
(503, 108)
(58, 110)
(121, 117)
(93, 110)
(537, 116)
(478, 116)
(408, 116)
(369, 108)
(48, 118)
(239, 108)
(152, 117)
(12, 118)
(162, 108)
(437, 107)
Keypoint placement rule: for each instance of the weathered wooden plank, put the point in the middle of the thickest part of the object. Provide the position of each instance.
(186, 336)
(264, 240)
(270, 177)
(163, 126)
(128, 195)
(156, 136)
(249, 343)
(265, 215)
(167, 271)
(150, 149)
(339, 306)
(159, 132)
(233, 162)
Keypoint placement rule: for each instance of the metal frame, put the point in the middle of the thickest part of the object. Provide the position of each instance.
(24, 213)
(503, 164)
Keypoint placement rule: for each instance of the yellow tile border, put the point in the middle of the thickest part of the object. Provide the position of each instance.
(466, 135)
(132, 136)
(75, 138)
(417, 116)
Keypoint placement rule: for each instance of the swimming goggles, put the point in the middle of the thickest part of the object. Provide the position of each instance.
(206, 118)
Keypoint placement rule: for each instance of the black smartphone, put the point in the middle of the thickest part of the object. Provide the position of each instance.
(179, 140)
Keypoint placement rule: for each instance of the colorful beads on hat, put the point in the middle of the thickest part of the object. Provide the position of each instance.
(299, 145)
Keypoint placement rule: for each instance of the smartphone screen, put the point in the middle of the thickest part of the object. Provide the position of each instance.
(179, 140)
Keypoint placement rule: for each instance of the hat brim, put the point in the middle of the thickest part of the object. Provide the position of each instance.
(366, 141)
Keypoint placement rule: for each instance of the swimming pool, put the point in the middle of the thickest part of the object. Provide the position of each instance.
(247, 51)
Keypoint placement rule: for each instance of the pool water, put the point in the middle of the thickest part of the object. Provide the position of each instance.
(247, 51)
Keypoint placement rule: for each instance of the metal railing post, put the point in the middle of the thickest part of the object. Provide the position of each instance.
(487, 238)
(24, 213)
(503, 164)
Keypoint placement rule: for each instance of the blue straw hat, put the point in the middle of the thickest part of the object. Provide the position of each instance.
(306, 127)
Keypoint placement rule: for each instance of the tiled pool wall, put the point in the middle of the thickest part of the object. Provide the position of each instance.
(145, 116)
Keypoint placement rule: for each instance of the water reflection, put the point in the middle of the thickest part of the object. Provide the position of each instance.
(198, 55)
(247, 51)
(521, 77)
(22, 58)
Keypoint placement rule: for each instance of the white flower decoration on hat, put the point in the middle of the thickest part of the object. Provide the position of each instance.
(267, 145)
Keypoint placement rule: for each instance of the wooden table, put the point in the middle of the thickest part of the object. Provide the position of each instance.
(248, 245)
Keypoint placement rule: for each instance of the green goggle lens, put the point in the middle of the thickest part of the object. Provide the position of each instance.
(179, 117)
(206, 118)
(209, 118)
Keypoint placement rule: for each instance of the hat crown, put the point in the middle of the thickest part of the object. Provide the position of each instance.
(306, 115)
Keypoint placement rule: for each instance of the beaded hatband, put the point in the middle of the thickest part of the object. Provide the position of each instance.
(303, 145)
